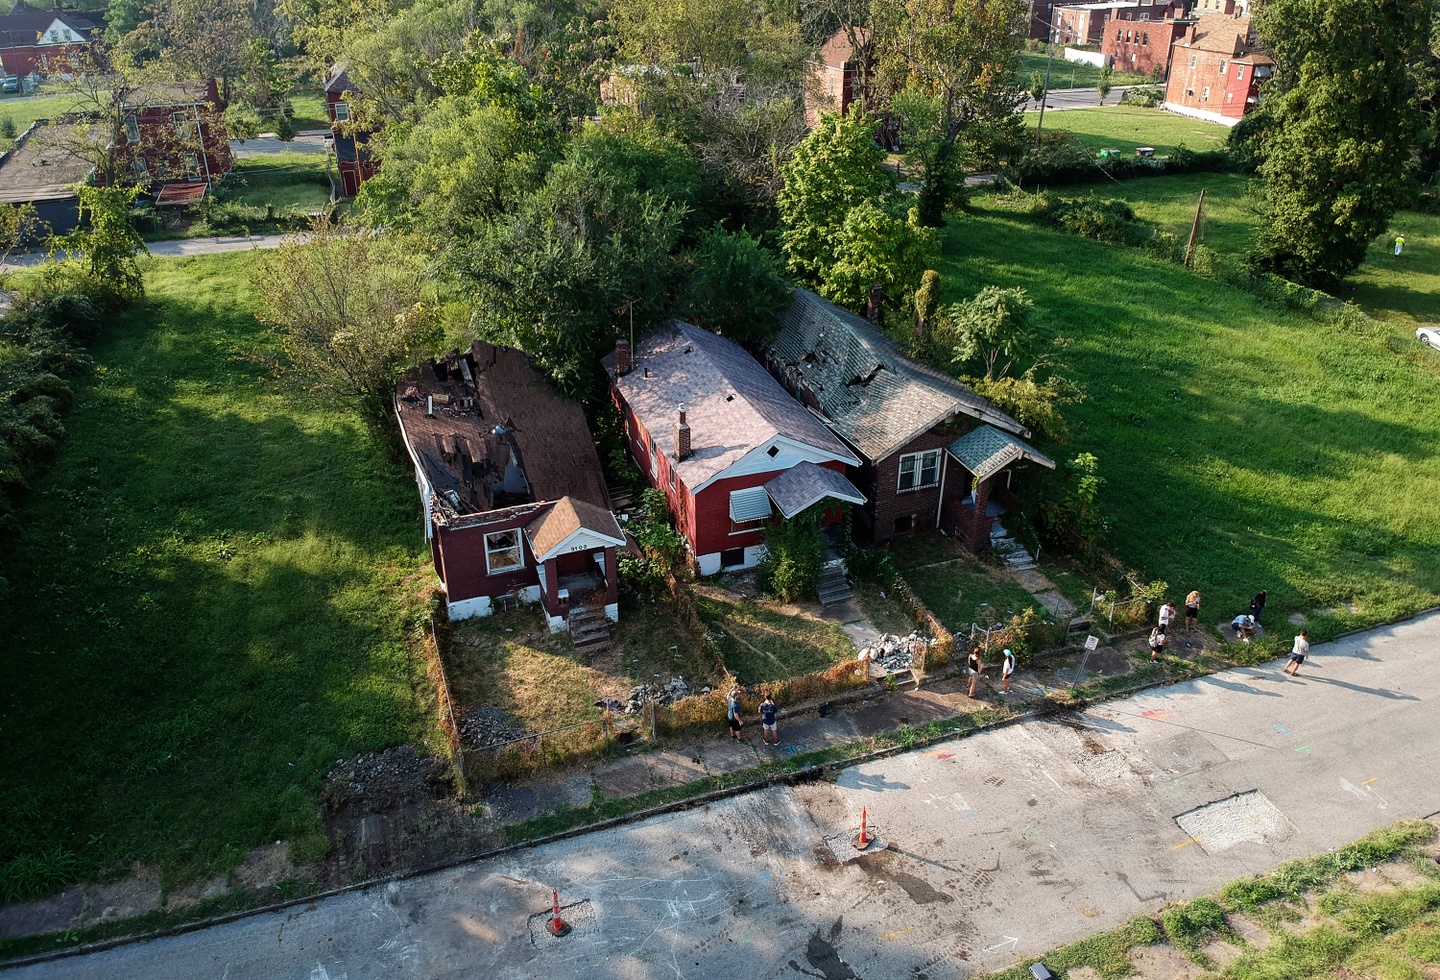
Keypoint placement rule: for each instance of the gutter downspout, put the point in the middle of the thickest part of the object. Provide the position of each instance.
(944, 468)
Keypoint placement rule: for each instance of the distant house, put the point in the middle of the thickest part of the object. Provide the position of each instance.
(930, 452)
(724, 442)
(1216, 69)
(352, 151)
(173, 138)
(833, 81)
(516, 508)
(43, 172)
(1136, 42)
(42, 40)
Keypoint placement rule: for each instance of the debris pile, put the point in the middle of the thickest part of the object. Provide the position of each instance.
(380, 780)
(894, 653)
(640, 696)
(480, 727)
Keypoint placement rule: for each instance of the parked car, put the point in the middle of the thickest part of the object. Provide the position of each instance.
(12, 83)
(1429, 336)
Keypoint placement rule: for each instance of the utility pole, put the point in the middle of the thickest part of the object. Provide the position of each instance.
(1194, 227)
(1045, 96)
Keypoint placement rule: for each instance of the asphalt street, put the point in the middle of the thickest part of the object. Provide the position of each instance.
(1076, 98)
(992, 847)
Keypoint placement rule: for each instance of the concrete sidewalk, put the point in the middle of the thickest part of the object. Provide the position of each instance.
(993, 847)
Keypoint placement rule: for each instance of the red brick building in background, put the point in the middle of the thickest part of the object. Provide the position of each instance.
(833, 82)
(352, 152)
(42, 40)
(1216, 70)
(1136, 44)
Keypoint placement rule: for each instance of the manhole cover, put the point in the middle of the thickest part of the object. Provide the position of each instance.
(1235, 820)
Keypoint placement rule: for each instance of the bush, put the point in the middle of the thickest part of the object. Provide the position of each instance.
(1146, 96)
(871, 565)
(1062, 159)
(794, 556)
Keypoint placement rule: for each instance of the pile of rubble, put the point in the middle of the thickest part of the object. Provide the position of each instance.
(381, 780)
(480, 727)
(644, 694)
(894, 653)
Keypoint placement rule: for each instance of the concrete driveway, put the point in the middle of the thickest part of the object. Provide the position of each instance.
(993, 847)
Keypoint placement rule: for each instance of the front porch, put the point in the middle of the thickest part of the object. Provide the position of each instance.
(985, 453)
(575, 556)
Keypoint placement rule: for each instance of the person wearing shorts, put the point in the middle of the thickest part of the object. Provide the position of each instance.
(732, 714)
(769, 728)
(1007, 668)
(1192, 610)
(1167, 615)
(1158, 639)
(1297, 654)
(973, 667)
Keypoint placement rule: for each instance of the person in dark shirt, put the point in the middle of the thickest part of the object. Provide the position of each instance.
(1257, 605)
(769, 728)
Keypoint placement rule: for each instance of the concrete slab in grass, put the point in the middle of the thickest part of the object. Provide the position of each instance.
(816, 733)
(669, 768)
(624, 777)
(911, 708)
(730, 756)
(517, 803)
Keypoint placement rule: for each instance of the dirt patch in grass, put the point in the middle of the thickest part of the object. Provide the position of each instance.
(882, 611)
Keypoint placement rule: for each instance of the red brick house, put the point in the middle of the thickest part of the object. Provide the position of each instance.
(516, 508)
(352, 153)
(1136, 42)
(42, 40)
(931, 452)
(833, 82)
(724, 442)
(1216, 70)
(174, 135)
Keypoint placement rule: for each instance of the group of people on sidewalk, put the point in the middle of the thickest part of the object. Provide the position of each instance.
(769, 718)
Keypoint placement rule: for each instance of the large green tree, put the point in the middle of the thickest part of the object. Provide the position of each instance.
(954, 64)
(736, 288)
(1342, 127)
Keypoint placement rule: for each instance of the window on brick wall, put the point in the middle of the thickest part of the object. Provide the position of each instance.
(1239, 71)
(1205, 94)
(919, 470)
(132, 129)
(1192, 61)
(503, 552)
(342, 112)
(182, 124)
(1146, 42)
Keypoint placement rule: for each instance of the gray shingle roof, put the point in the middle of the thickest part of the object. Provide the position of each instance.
(985, 450)
(804, 485)
(875, 397)
(734, 405)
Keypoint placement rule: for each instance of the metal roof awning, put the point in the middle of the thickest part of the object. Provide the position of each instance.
(749, 504)
(176, 194)
(986, 450)
(807, 484)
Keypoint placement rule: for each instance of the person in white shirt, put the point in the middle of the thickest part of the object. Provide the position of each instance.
(1298, 654)
(1007, 668)
(1167, 615)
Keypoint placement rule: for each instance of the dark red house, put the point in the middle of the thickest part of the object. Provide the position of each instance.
(724, 442)
(352, 152)
(516, 508)
(1216, 69)
(173, 136)
(930, 452)
(42, 40)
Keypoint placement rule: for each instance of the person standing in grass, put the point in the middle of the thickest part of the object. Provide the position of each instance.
(769, 728)
(1257, 605)
(1399, 244)
(732, 714)
(1192, 610)
(1298, 653)
(973, 666)
(1007, 669)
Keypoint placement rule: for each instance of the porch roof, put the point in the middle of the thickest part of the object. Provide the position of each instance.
(986, 450)
(573, 525)
(806, 484)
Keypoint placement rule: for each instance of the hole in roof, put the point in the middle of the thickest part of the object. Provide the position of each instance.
(729, 398)
(773, 451)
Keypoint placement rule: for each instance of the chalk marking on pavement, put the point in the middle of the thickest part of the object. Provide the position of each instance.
(1370, 780)
(1009, 941)
(1193, 840)
(897, 932)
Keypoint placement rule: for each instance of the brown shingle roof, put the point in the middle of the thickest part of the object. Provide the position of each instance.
(564, 519)
(42, 168)
(876, 398)
(1227, 35)
(734, 404)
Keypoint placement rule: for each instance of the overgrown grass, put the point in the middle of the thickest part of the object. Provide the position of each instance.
(221, 580)
(957, 592)
(308, 108)
(1242, 447)
(283, 181)
(1125, 127)
(761, 645)
(1068, 74)
(24, 111)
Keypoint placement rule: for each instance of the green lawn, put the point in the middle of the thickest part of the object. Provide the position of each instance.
(24, 111)
(1404, 289)
(285, 181)
(308, 106)
(210, 595)
(1125, 127)
(1067, 74)
(761, 645)
(1242, 447)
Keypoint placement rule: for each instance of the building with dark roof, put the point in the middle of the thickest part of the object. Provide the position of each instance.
(903, 419)
(43, 171)
(720, 437)
(353, 159)
(42, 40)
(516, 508)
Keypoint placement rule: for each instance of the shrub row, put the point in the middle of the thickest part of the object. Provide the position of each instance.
(1063, 159)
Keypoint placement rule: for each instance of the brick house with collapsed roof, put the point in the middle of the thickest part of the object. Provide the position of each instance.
(1216, 70)
(929, 452)
(353, 159)
(42, 40)
(723, 441)
(515, 503)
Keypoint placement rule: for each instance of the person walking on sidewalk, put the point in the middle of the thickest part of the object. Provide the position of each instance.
(1298, 653)
(1007, 669)
(973, 666)
(769, 728)
(1192, 610)
(1158, 639)
(1257, 605)
(732, 713)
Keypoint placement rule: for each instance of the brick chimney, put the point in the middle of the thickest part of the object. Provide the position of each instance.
(682, 436)
(622, 357)
(872, 306)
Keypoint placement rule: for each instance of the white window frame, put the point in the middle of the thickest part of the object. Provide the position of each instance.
(1205, 94)
(518, 547)
(140, 167)
(342, 112)
(192, 166)
(1239, 71)
(182, 124)
(918, 465)
(132, 128)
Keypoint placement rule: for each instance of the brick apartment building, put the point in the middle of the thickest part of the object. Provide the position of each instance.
(1216, 70)
(833, 83)
(1135, 42)
(1084, 23)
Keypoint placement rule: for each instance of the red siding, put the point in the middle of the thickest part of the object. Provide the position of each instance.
(460, 559)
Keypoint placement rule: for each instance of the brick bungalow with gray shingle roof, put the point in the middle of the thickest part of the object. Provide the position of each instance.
(713, 431)
(904, 420)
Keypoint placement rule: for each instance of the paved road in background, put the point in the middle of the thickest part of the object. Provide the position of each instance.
(997, 846)
(1076, 98)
